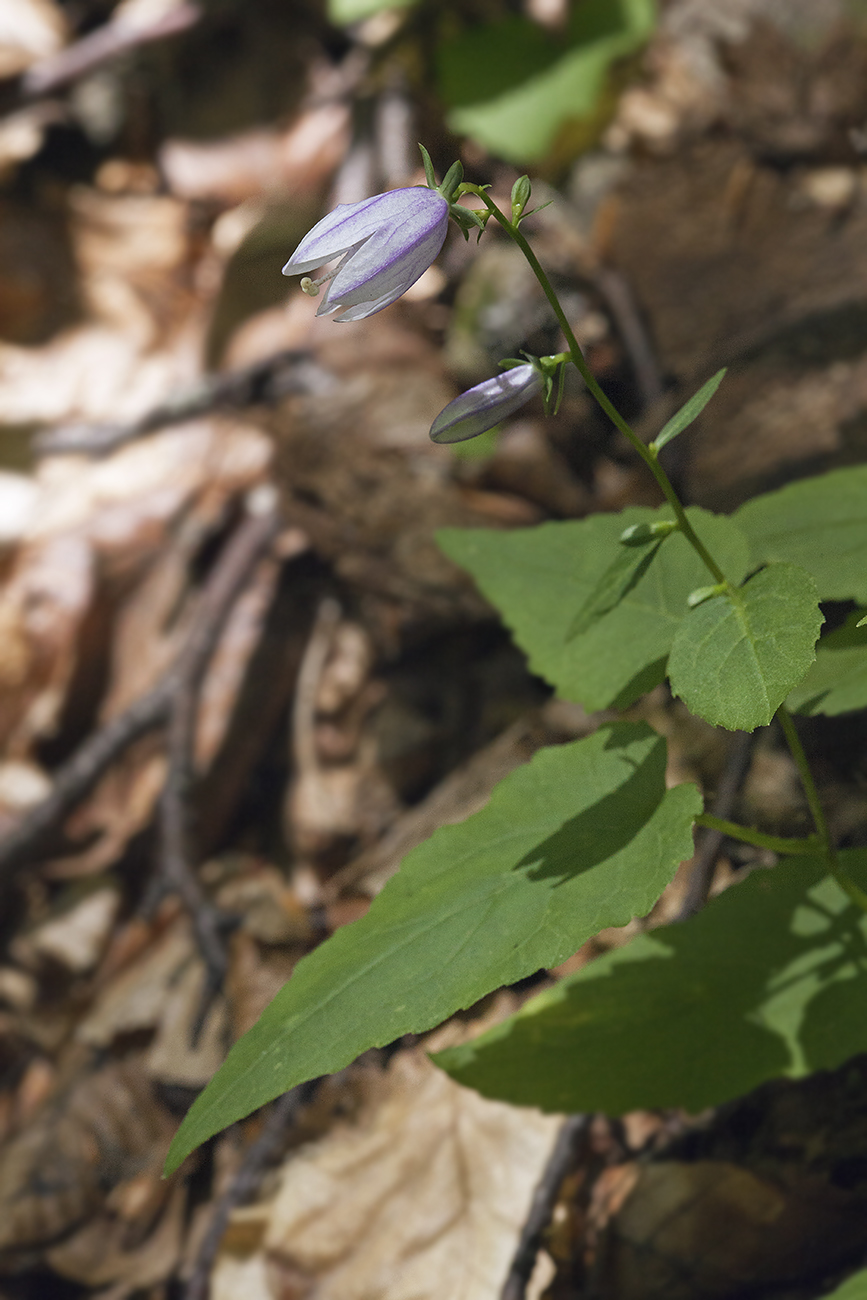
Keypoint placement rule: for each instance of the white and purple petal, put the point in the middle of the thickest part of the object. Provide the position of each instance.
(349, 225)
(481, 407)
(386, 242)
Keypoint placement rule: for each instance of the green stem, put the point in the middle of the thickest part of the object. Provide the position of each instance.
(776, 843)
(843, 879)
(577, 357)
(793, 740)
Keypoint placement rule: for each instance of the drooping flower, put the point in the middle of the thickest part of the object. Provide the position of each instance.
(480, 408)
(384, 243)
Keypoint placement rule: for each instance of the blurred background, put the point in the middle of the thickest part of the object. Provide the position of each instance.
(239, 681)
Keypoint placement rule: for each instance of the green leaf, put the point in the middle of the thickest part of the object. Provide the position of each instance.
(768, 980)
(511, 85)
(837, 681)
(819, 523)
(343, 12)
(735, 658)
(584, 836)
(538, 577)
(854, 1288)
(626, 569)
(427, 162)
(691, 411)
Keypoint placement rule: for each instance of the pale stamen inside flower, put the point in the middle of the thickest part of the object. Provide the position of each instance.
(312, 287)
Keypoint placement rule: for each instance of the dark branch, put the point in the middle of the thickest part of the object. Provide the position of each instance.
(710, 842)
(264, 383)
(246, 1182)
(569, 1142)
(97, 48)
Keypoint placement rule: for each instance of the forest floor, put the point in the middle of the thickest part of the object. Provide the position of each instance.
(239, 681)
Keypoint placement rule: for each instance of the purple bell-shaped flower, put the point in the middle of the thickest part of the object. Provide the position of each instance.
(385, 244)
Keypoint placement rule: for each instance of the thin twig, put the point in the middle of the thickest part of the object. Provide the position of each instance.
(78, 776)
(710, 841)
(246, 1182)
(569, 1141)
(618, 297)
(285, 373)
(178, 856)
(99, 47)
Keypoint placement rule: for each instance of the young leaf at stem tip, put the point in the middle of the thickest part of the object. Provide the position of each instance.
(691, 411)
(520, 198)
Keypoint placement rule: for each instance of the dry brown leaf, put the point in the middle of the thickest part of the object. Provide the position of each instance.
(29, 30)
(109, 1248)
(144, 513)
(299, 159)
(102, 1131)
(172, 1057)
(229, 664)
(423, 1196)
(137, 996)
(42, 608)
(256, 975)
(75, 939)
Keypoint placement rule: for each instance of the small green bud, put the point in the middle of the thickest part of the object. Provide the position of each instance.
(451, 181)
(701, 594)
(520, 197)
(642, 534)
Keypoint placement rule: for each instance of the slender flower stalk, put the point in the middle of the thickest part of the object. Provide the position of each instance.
(512, 229)
(481, 407)
(384, 243)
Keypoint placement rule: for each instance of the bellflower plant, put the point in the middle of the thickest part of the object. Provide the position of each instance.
(587, 835)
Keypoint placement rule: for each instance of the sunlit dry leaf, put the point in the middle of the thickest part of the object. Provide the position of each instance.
(144, 13)
(173, 1057)
(229, 664)
(75, 939)
(239, 1276)
(29, 30)
(96, 373)
(22, 785)
(120, 807)
(133, 251)
(423, 1196)
(260, 161)
(42, 608)
(21, 134)
(136, 998)
(18, 495)
(121, 514)
(145, 325)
